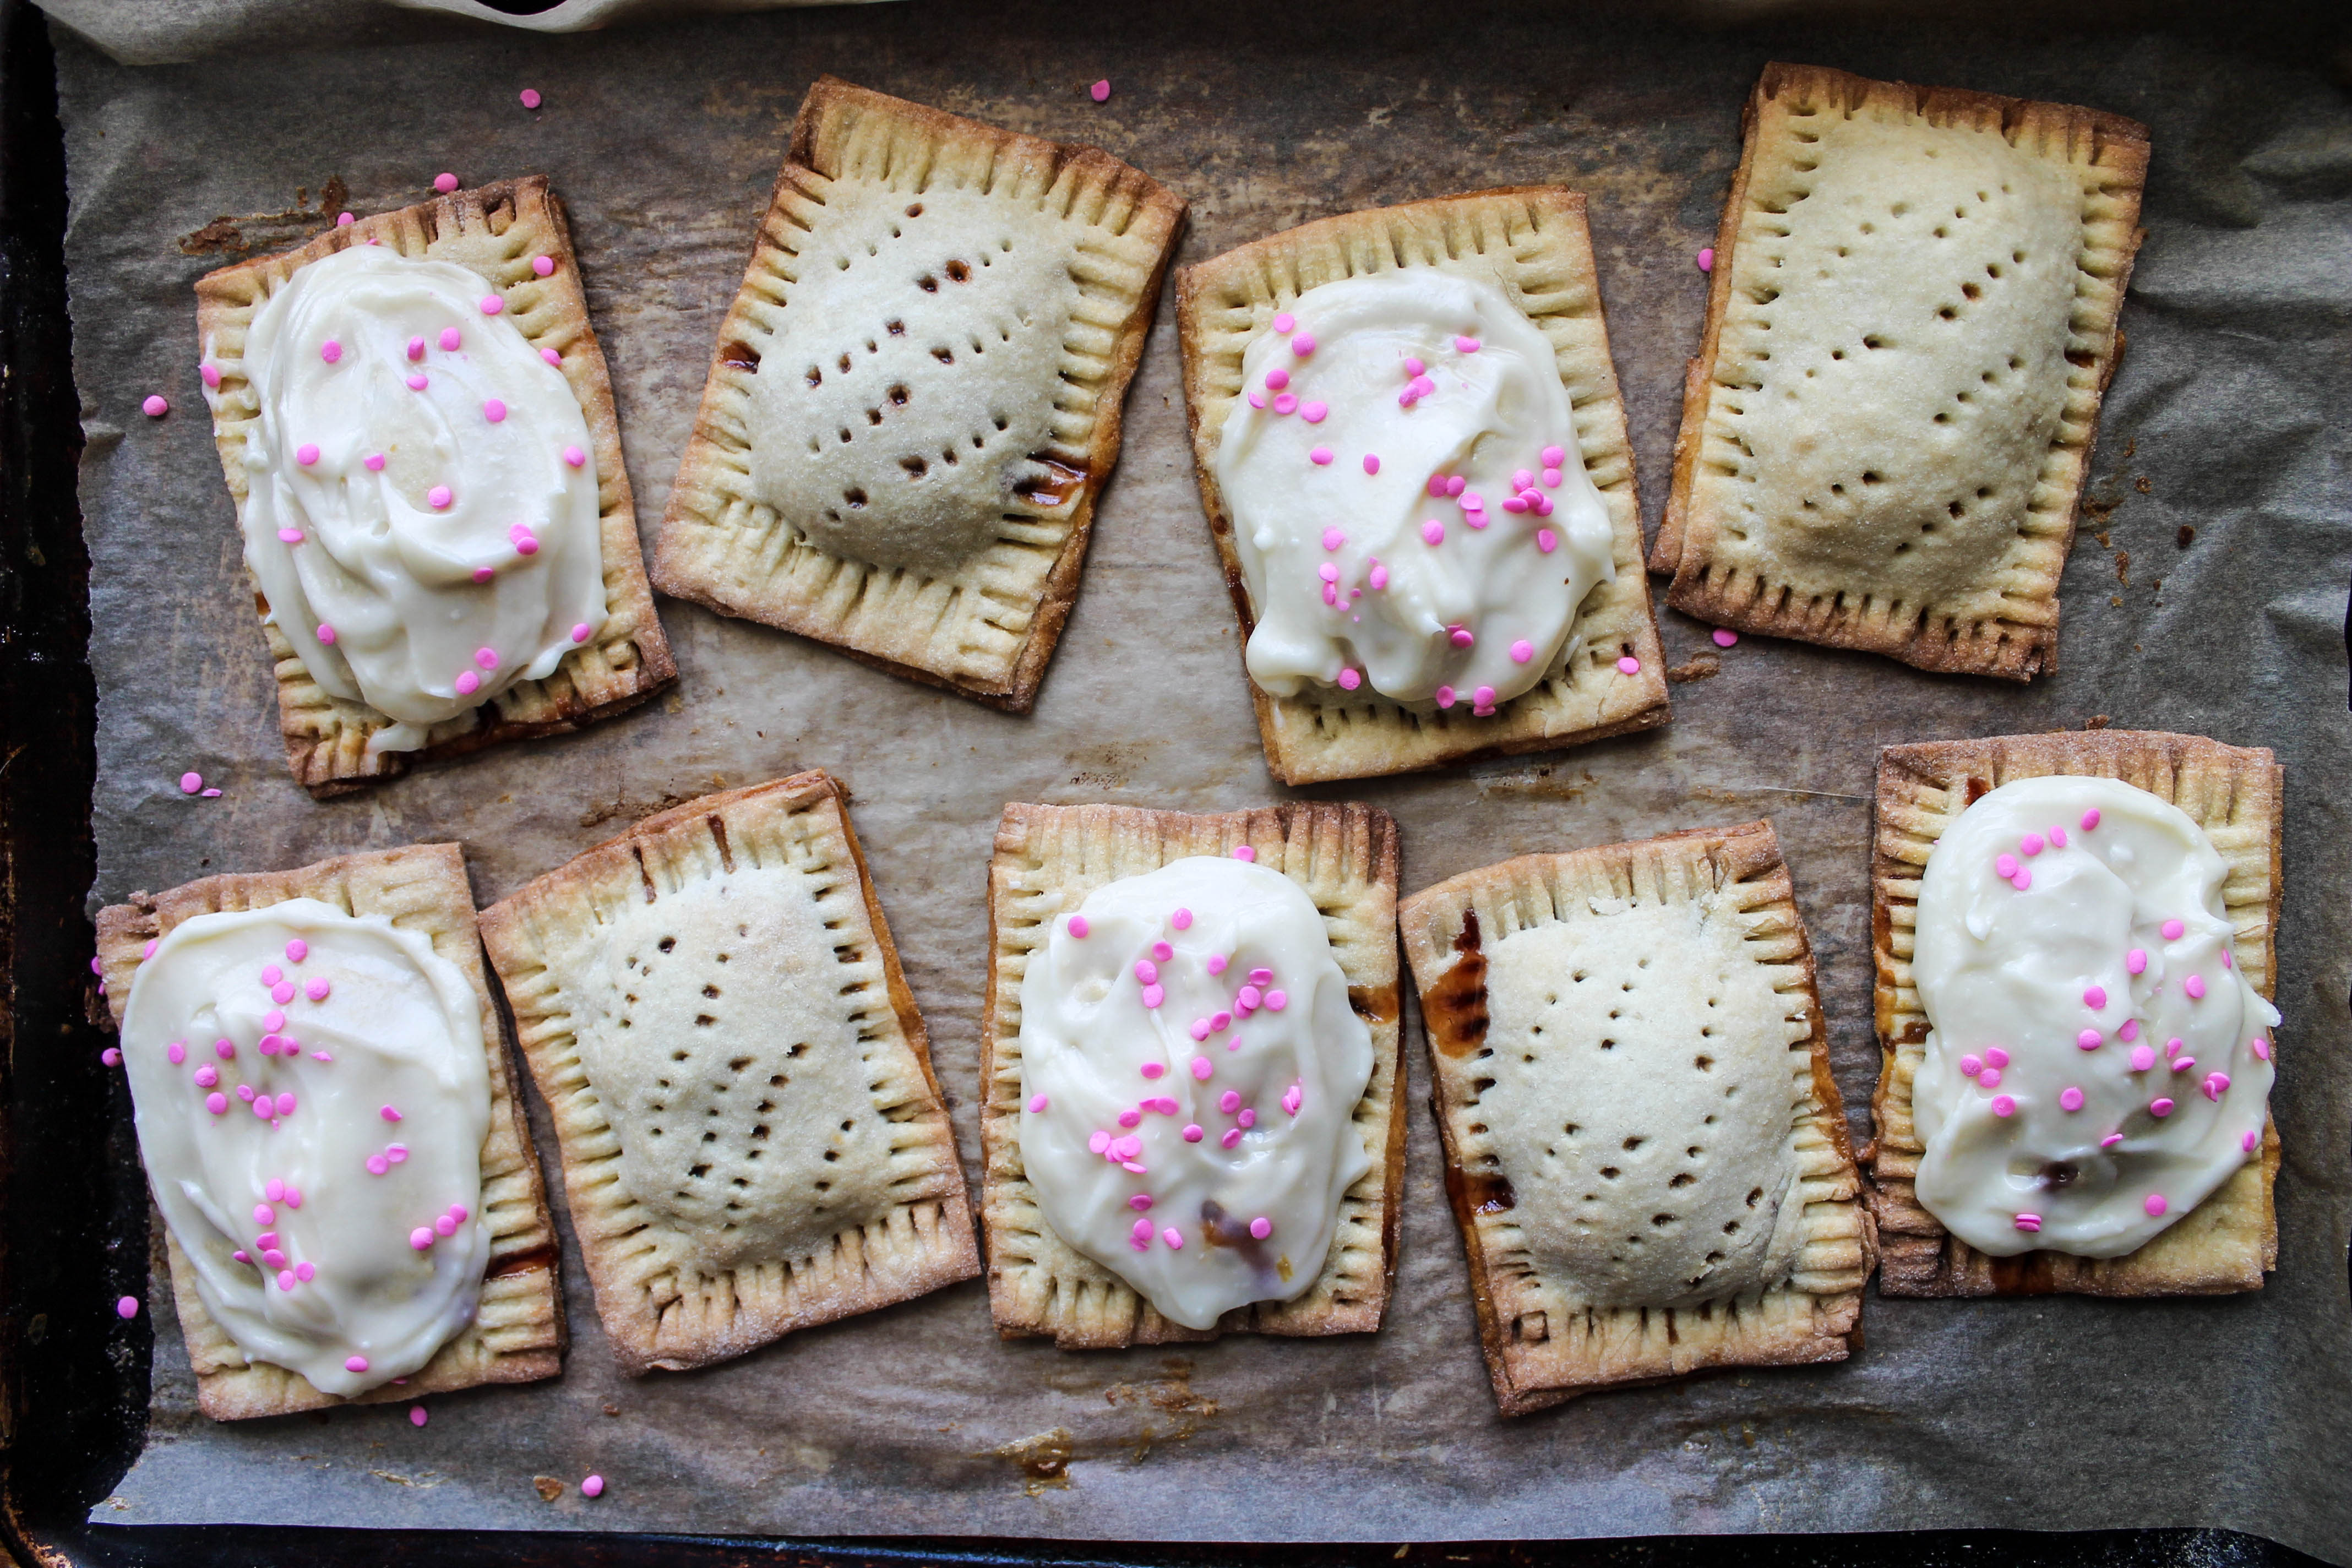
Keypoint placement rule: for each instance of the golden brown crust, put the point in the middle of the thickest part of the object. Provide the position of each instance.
(494, 230)
(1046, 859)
(1532, 240)
(2235, 794)
(1534, 1360)
(2112, 152)
(659, 1308)
(518, 1336)
(716, 547)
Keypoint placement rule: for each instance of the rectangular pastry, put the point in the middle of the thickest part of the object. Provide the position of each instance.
(416, 422)
(330, 1133)
(1192, 1117)
(2075, 937)
(915, 399)
(1911, 322)
(752, 1138)
(1388, 409)
(1643, 1145)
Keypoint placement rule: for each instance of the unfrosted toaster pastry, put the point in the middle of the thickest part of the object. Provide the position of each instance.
(1911, 324)
(1410, 442)
(352, 1209)
(1644, 1147)
(751, 1138)
(2076, 946)
(416, 422)
(1193, 1121)
(915, 399)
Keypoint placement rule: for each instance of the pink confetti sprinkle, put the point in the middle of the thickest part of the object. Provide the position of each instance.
(1302, 345)
(2031, 844)
(2172, 929)
(583, 631)
(2156, 1205)
(326, 634)
(1467, 345)
(1276, 379)
(2216, 1085)
(2225, 958)
(331, 350)
(1275, 1001)
(1989, 1078)
(1372, 463)
(494, 411)
(1546, 540)
(377, 1164)
(445, 183)
(2195, 986)
(445, 1227)
(1193, 1133)
(2023, 881)
(1433, 531)
(1232, 1138)
(264, 1214)
(1460, 637)
(1725, 637)
(1099, 1142)
(389, 1114)
(207, 1076)
(1261, 1228)
(2129, 1031)
(1261, 977)
(1313, 413)
(2142, 1058)
(111, 1056)
(1203, 1066)
(1244, 852)
(2003, 1105)
(1349, 679)
(216, 1102)
(1320, 456)
(289, 536)
(177, 1052)
(418, 382)
(1100, 91)
(2095, 997)
(1970, 1066)
(1284, 321)
(1079, 927)
(438, 496)
(2069, 1098)
(1551, 478)
(128, 1306)
(1217, 962)
(574, 457)
(1482, 701)
(416, 1416)
(1153, 995)
(316, 990)
(484, 573)
(211, 373)
(2111, 1140)
(421, 1238)
(2160, 1108)
(2058, 837)
(225, 1049)
(551, 357)
(1629, 664)
(156, 405)
(273, 1189)
(1173, 1238)
(467, 683)
(2089, 1039)
(488, 657)
(2029, 1221)
(2136, 961)
(1446, 697)
(2005, 867)
(2172, 1046)
(2090, 819)
(491, 304)
(2262, 1048)
(306, 454)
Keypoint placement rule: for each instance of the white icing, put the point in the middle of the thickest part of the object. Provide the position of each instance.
(403, 1029)
(1086, 1036)
(393, 575)
(1488, 417)
(1997, 967)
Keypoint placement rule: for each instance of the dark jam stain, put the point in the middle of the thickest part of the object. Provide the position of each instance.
(1374, 1006)
(744, 357)
(1053, 488)
(1470, 1194)
(1978, 788)
(1455, 1007)
(1219, 1228)
(1914, 1033)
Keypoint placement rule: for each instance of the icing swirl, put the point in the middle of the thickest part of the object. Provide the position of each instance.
(1190, 1071)
(311, 1093)
(2095, 1063)
(422, 509)
(1408, 500)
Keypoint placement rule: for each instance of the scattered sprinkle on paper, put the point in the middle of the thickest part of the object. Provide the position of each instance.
(1100, 91)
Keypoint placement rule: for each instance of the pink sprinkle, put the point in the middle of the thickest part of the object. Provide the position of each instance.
(296, 952)
(2058, 837)
(1551, 478)
(156, 405)
(2225, 958)
(225, 1049)
(1200, 1028)
(1467, 345)
(551, 357)
(1483, 699)
(2023, 881)
(1244, 852)
(207, 1076)
(1454, 484)
(2156, 1205)
(331, 350)
(1203, 1066)
(416, 1416)
(128, 1306)
(1706, 259)
(216, 1102)
(1320, 456)
(177, 1052)
(1629, 664)
(2136, 961)
(146, 951)
(273, 1189)
(1173, 1238)
(2089, 1039)
(317, 989)
(293, 1197)
(421, 1237)
(583, 631)
(262, 1108)
(1432, 533)
(1461, 637)
(1372, 463)
(289, 536)
(2111, 1140)
(1989, 1078)
(2031, 844)
(306, 454)
(1436, 486)
(492, 304)
(1079, 927)
(2160, 1108)
(1284, 321)
(2069, 1098)
(1099, 92)
(1193, 1133)
(1276, 379)
(1970, 1066)
(2095, 997)
(1725, 637)
(2005, 867)
(2090, 819)
(2195, 986)
(1275, 1001)
(264, 1214)
(531, 100)
(2029, 1221)
(1261, 1228)
(445, 183)
(445, 1227)
(357, 1363)
(416, 382)
(1217, 962)
(415, 350)
(1349, 679)
(2129, 1031)
(377, 1164)
(2172, 1046)
(494, 411)
(1546, 540)
(2142, 1058)
(1099, 1142)
(1314, 413)
(438, 496)
(1302, 345)
(211, 373)
(389, 1114)
(2216, 1084)
(1473, 502)
(574, 457)
(2262, 1048)
(467, 683)
(1286, 403)
(285, 1276)
(484, 573)
(2172, 929)
(1232, 1138)
(111, 1056)
(2003, 1105)
(488, 657)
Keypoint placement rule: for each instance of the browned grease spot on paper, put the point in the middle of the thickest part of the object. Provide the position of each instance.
(1696, 668)
(1171, 1395)
(548, 1487)
(1044, 1460)
(1455, 1007)
(266, 229)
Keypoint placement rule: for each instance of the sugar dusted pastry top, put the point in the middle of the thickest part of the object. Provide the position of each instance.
(915, 373)
(1410, 506)
(422, 510)
(1647, 1078)
(311, 1097)
(1190, 1072)
(2096, 1064)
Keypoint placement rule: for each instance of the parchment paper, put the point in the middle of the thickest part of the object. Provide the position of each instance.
(2227, 419)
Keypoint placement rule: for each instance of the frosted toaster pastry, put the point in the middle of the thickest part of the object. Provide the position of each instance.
(1911, 322)
(1643, 1145)
(751, 1138)
(1411, 446)
(416, 422)
(330, 1130)
(1192, 1117)
(916, 397)
(2075, 942)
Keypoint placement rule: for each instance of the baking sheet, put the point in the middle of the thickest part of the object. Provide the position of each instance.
(2227, 418)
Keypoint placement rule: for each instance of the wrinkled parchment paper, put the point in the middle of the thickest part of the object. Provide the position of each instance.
(2228, 418)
